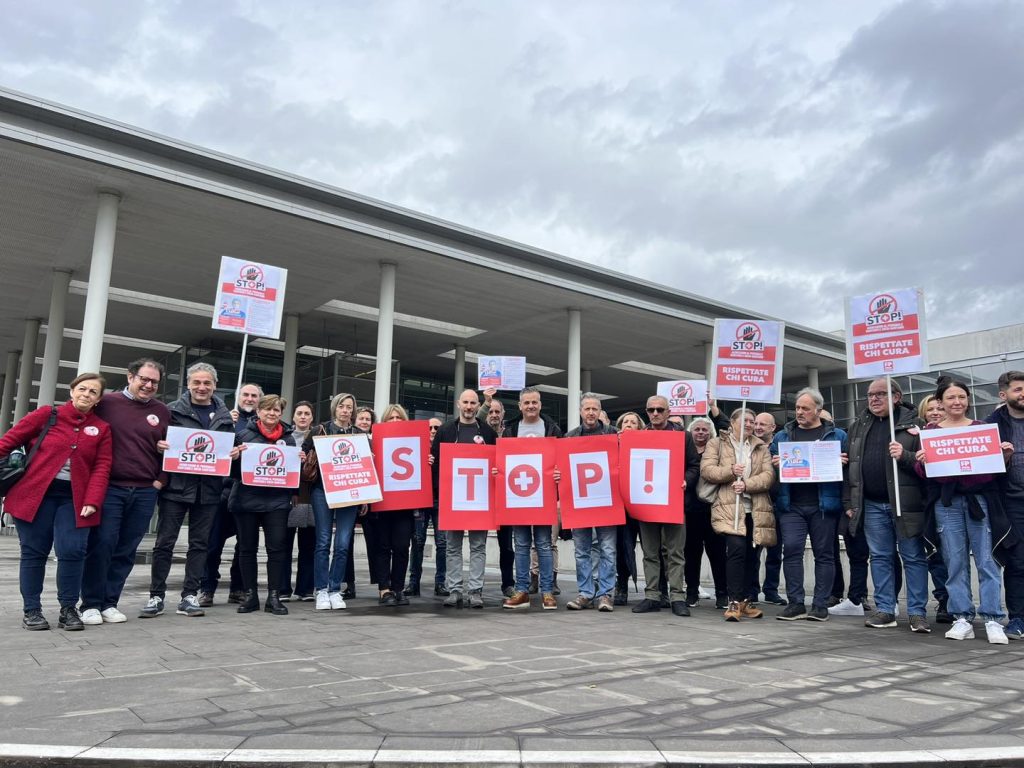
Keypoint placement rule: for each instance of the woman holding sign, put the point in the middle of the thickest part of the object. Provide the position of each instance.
(328, 572)
(740, 464)
(393, 537)
(267, 507)
(968, 518)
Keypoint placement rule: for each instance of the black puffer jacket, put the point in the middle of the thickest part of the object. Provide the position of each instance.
(193, 489)
(911, 522)
(248, 499)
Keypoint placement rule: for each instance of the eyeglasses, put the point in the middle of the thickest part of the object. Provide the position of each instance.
(433, 429)
(656, 410)
(876, 395)
(148, 382)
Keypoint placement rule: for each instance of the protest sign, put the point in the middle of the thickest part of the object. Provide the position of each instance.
(589, 486)
(270, 466)
(688, 397)
(524, 487)
(250, 297)
(501, 373)
(815, 461)
(885, 334)
(401, 451)
(747, 363)
(971, 450)
(651, 474)
(464, 494)
(198, 451)
(346, 470)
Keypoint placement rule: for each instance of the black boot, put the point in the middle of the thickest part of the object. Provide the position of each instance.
(274, 604)
(412, 590)
(942, 615)
(250, 602)
(34, 620)
(69, 619)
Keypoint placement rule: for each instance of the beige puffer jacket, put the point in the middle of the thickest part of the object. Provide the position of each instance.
(716, 467)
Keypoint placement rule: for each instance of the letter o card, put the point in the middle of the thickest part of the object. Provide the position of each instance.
(401, 451)
(524, 488)
(589, 484)
(465, 489)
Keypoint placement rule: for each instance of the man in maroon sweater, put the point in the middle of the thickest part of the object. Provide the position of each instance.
(138, 421)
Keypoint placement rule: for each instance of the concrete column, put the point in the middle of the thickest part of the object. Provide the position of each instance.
(28, 366)
(385, 337)
(459, 382)
(291, 344)
(585, 385)
(10, 381)
(572, 369)
(812, 377)
(95, 322)
(54, 337)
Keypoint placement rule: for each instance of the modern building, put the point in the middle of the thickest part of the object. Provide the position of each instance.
(111, 240)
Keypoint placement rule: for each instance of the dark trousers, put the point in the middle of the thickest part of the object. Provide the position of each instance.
(419, 543)
(858, 554)
(304, 572)
(625, 552)
(222, 529)
(742, 559)
(114, 542)
(369, 526)
(772, 571)
(506, 557)
(54, 527)
(1013, 573)
(350, 560)
(937, 570)
(393, 535)
(701, 538)
(172, 515)
(797, 524)
(275, 532)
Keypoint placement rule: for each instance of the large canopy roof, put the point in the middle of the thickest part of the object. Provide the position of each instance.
(184, 206)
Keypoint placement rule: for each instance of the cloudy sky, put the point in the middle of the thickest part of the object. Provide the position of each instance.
(775, 155)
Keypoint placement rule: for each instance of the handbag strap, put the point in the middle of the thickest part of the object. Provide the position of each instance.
(35, 446)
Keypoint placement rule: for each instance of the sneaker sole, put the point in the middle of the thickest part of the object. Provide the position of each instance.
(121, 620)
(150, 615)
(798, 617)
(66, 628)
(92, 623)
(821, 619)
(880, 626)
(921, 630)
(191, 614)
(550, 607)
(323, 608)
(965, 637)
(38, 628)
(523, 607)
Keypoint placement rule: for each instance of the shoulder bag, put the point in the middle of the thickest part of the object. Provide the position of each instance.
(14, 465)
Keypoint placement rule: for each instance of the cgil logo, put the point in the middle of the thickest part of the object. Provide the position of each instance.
(748, 338)
(251, 276)
(199, 449)
(882, 309)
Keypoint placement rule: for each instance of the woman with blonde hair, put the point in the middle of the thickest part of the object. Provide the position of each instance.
(740, 464)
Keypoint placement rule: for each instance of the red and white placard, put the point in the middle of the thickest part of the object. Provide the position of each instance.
(589, 486)
(651, 472)
(198, 452)
(250, 297)
(346, 470)
(885, 334)
(973, 450)
(747, 361)
(524, 487)
(270, 466)
(688, 397)
(465, 488)
(401, 451)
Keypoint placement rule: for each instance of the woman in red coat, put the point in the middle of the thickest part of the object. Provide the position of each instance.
(60, 496)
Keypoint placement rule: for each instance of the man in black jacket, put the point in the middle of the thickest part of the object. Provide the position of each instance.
(869, 498)
(1010, 419)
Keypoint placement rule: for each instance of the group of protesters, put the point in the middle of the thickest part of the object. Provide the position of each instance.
(95, 477)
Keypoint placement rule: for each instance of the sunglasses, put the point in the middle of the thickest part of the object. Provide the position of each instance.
(656, 410)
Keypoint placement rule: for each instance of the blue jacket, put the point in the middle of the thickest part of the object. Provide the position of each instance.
(830, 495)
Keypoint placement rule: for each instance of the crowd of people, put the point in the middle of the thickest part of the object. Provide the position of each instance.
(96, 478)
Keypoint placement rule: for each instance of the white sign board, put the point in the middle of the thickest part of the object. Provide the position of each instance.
(816, 461)
(504, 372)
(250, 298)
(747, 362)
(885, 334)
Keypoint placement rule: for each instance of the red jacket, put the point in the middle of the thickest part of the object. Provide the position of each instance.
(83, 437)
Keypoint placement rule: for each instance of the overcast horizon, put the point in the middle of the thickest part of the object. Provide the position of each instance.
(774, 156)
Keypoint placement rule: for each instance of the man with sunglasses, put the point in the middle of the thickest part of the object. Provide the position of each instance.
(662, 543)
(138, 422)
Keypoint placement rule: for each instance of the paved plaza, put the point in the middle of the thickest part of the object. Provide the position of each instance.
(425, 685)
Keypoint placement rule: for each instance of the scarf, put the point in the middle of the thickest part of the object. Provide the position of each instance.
(273, 435)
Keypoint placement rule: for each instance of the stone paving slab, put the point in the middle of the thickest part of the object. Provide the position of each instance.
(425, 685)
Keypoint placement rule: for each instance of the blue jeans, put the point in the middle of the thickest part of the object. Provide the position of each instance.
(585, 538)
(883, 542)
(54, 526)
(961, 534)
(797, 524)
(114, 542)
(343, 520)
(540, 537)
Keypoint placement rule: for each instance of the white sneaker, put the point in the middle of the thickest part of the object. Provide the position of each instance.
(846, 607)
(995, 633)
(703, 594)
(337, 601)
(113, 616)
(323, 602)
(92, 617)
(962, 629)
